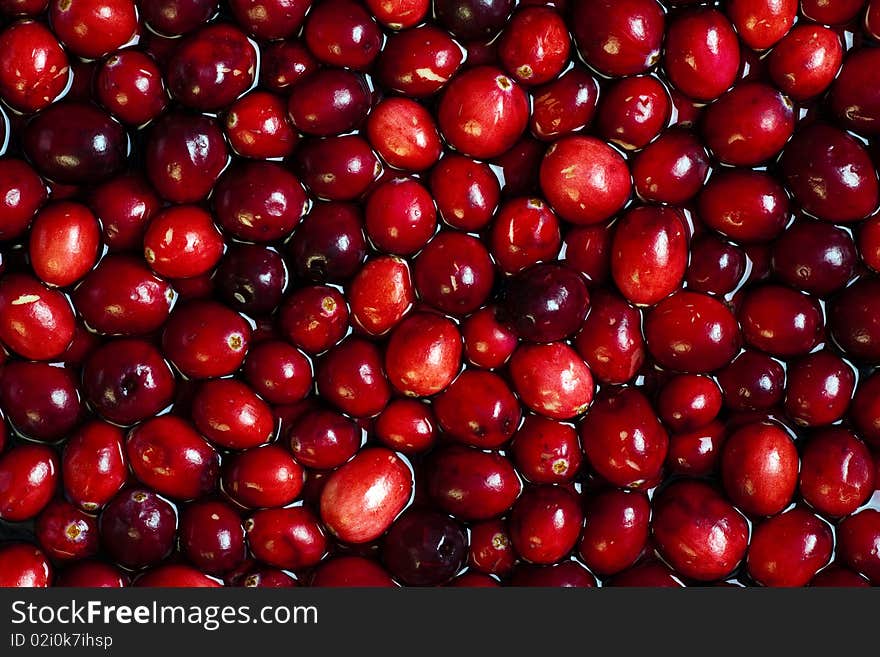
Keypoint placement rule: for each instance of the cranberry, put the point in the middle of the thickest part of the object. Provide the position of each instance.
(820, 387)
(747, 206)
(350, 570)
(831, 13)
(545, 451)
(324, 439)
(466, 192)
(564, 105)
(815, 257)
(329, 102)
(137, 528)
(478, 409)
(342, 33)
(314, 318)
(404, 133)
(616, 531)
(696, 452)
(487, 342)
(252, 278)
(552, 380)
(28, 478)
(406, 425)
(671, 169)
(805, 62)
(204, 339)
(857, 537)
(424, 548)
(423, 355)
(702, 53)
(534, 46)
(168, 455)
(124, 205)
(473, 19)
(277, 19)
(648, 573)
(759, 467)
(491, 550)
(779, 320)
(24, 565)
(93, 465)
(265, 476)
(610, 341)
(42, 402)
(789, 549)
(362, 498)
(839, 576)
(633, 112)
(351, 377)
(699, 533)
(34, 69)
(837, 472)
(762, 24)
(470, 484)
(338, 169)
(381, 294)
(619, 38)
(562, 574)
(66, 533)
(400, 216)
(752, 381)
(22, 192)
(454, 273)
(63, 243)
(37, 322)
(93, 28)
(129, 84)
(688, 402)
(854, 322)
(182, 242)
(418, 62)
(545, 524)
(864, 412)
(91, 574)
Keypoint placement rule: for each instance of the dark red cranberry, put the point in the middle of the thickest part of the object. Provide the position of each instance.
(831, 13)
(839, 577)
(342, 33)
(471, 484)
(789, 549)
(759, 467)
(34, 69)
(323, 439)
(545, 524)
(251, 278)
(869, 242)
(857, 537)
(66, 533)
(138, 528)
(633, 112)
(490, 548)
(854, 320)
(265, 476)
(330, 245)
(278, 19)
(314, 318)
(752, 381)
(466, 192)
(36, 322)
(42, 402)
(329, 102)
(361, 499)
(611, 341)
(652, 573)
(418, 62)
(820, 387)
(400, 216)
(615, 532)
(487, 342)
(124, 205)
(351, 377)
(564, 105)
(454, 273)
(698, 532)
(814, 257)
(748, 206)
(864, 412)
(175, 17)
(338, 168)
(473, 19)
(780, 321)
(672, 169)
(28, 479)
(697, 452)
(91, 574)
(212, 536)
(93, 465)
(837, 472)
(204, 339)
(129, 84)
(563, 574)
(687, 402)
(424, 548)
(545, 451)
(804, 63)
(23, 565)
(545, 303)
(284, 63)
(478, 409)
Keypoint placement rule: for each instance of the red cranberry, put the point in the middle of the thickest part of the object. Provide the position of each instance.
(831, 13)
(854, 320)
(672, 169)
(124, 205)
(423, 355)
(820, 387)
(229, 414)
(752, 381)
(278, 19)
(552, 380)
(94, 28)
(487, 342)
(483, 112)
(93, 465)
(696, 452)
(314, 318)
(342, 33)
(400, 216)
(864, 412)
(182, 242)
(490, 549)
(184, 156)
(473, 19)
(633, 112)
(91, 574)
(687, 402)
(351, 377)
(837, 472)
(805, 62)
(137, 528)
(130, 86)
(339, 168)
(857, 537)
(747, 206)
(838, 577)
(564, 105)
(212, 537)
(762, 24)
(691, 332)
(329, 102)
(350, 570)
(63, 244)
(37, 322)
(204, 339)
(853, 98)
(252, 278)
(610, 341)
(619, 38)
(404, 134)
(698, 532)
(278, 372)
(759, 467)
(168, 455)
(424, 548)
(265, 476)
(175, 17)
(22, 192)
(407, 426)
(466, 192)
(73, 143)
(535, 45)
(702, 53)
(65, 533)
(789, 549)
(24, 566)
(779, 320)
(454, 273)
(362, 498)
(257, 126)
(381, 294)
(478, 409)
(23, 7)
(815, 257)
(284, 63)
(34, 69)
(399, 14)
(545, 524)
(323, 439)
(28, 478)
(42, 402)
(470, 484)
(418, 62)
(616, 531)
(545, 451)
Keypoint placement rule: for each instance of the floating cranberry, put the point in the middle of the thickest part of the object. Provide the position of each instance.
(820, 387)
(93, 465)
(419, 62)
(804, 63)
(34, 69)
(702, 53)
(552, 379)
(352, 378)
(265, 476)
(424, 548)
(454, 273)
(789, 549)
(204, 339)
(37, 322)
(28, 478)
(616, 531)
(24, 565)
(42, 402)
(137, 528)
(342, 33)
(837, 472)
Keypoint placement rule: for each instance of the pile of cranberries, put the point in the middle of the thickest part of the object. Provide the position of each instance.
(450, 292)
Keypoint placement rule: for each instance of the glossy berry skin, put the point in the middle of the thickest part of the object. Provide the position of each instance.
(804, 63)
(865, 410)
(752, 381)
(648, 254)
(490, 549)
(611, 341)
(93, 465)
(124, 205)
(34, 69)
(788, 549)
(759, 467)
(330, 102)
(176, 17)
(699, 533)
(107, 305)
(127, 381)
(702, 54)
(37, 322)
(815, 257)
(762, 24)
(22, 192)
(831, 14)
(277, 20)
(552, 380)
(24, 566)
(466, 192)
(616, 531)
(314, 318)
(837, 473)
(688, 402)
(400, 216)
(184, 156)
(564, 105)
(424, 548)
(289, 538)
(362, 498)
(749, 124)
(585, 180)
(129, 84)
(66, 533)
(63, 243)
(454, 273)
(252, 278)
(341, 33)
(257, 126)
(779, 320)
(323, 440)
(853, 99)
(381, 294)
(544, 303)
(823, 163)
(423, 355)
(471, 484)
(671, 169)
(619, 39)
(182, 242)
(478, 409)
(137, 528)
(535, 45)
(168, 455)
(696, 452)
(28, 478)
(404, 134)
(42, 402)
(91, 574)
(94, 28)
(840, 577)
(407, 426)
(351, 570)
(351, 377)
(338, 169)
(820, 387)
(633, 112)
(265, 476)
(679, 342)
(857, 537)
(488, 343)
(231, 415)
(545, 524)
(418, 62)
(175, 576)
(204, 339)
(853, 320)
(748, 206)
(545, 451)
(622, 438)
(329, 245)
(473, 19)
